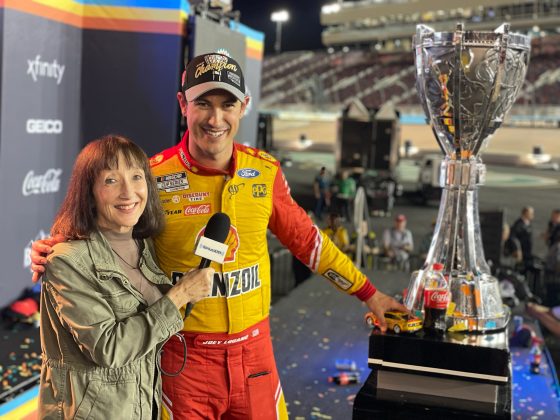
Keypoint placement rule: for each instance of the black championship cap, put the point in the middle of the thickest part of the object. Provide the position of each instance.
(213, 71)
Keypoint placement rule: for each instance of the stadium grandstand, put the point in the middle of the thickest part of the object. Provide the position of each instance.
(367, 56)
(370, 58)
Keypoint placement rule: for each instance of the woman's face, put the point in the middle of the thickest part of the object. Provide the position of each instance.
(120, 196)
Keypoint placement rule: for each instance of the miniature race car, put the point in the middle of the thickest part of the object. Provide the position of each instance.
(396, 321)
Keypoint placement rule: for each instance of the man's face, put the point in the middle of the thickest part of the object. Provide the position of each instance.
(213, 121)
(400, 224)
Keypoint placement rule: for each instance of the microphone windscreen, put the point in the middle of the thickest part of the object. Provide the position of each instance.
(217, 227)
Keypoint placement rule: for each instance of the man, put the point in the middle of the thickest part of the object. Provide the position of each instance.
(398, 242)
(522, 230)
(321, 190)
(230, 369)
(552, 234)
(345, 193)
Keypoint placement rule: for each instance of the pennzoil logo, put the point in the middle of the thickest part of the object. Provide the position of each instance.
(259, 190)
(338, 279)
(231, 283)
(234, 189)
(215, 63)
(173, 182)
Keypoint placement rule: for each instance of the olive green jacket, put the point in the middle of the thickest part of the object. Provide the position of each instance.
(99, 338)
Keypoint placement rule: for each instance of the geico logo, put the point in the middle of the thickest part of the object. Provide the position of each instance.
(44, 126)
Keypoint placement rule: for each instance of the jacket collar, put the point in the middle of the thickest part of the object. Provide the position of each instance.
(102, 256)
(192, 165)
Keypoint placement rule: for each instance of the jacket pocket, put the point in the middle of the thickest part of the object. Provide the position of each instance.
(122, 302)
(109, 400)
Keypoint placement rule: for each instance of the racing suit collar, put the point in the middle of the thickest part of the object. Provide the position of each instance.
(192, 165)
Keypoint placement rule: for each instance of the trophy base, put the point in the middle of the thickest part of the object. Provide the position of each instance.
(481, 325)
(422, 375)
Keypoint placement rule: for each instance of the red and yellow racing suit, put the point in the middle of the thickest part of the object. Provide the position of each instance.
(256, 197)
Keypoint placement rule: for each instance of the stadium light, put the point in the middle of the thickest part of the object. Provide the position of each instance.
(330, 8)
(279, 17)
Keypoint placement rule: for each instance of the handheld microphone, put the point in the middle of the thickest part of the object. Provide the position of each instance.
(211, 245)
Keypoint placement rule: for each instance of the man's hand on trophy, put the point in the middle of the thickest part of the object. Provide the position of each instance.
(380, 303)
(39, 251)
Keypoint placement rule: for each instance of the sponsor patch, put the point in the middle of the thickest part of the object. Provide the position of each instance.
(234, 78)
(337, 279)
(184, 158)
(234, 189)
(176, 199)
(173, 182)
(197, 209)
(266, 156)
(248, 173)
(173, 212)
(157, 159)
(259, 190)
(196, 196)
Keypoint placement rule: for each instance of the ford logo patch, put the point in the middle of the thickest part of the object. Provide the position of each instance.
(248, 173)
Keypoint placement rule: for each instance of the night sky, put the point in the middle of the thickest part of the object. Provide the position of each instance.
(301, 32)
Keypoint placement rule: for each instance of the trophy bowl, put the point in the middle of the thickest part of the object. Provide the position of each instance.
(467, 81)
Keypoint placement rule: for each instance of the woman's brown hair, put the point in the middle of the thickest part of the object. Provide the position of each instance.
(77, 215)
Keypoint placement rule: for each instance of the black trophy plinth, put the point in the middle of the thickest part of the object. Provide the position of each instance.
(425, 376)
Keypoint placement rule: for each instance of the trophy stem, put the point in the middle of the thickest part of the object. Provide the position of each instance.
(457, 243)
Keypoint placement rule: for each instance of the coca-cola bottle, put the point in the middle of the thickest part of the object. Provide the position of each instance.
(436, 299)
(345, 378)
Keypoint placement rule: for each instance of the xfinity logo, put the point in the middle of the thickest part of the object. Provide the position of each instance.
(49, 182)
(37, 68)
(33, 126)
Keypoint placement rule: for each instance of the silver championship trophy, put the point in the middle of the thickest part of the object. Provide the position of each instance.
(467, 82)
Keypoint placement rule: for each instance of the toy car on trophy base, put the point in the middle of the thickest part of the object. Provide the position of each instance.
(396, 321)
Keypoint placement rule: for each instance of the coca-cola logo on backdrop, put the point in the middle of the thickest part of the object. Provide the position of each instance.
(49, 182)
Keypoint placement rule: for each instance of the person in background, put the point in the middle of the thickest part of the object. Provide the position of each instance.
(552, 234)
(230, 369)
(398, 242)
(344, 195)
(322, 193)
(337, 233)
(511, 254)
(106, 307)
(522, 231)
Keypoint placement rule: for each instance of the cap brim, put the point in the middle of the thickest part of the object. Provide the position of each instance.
(196, 91)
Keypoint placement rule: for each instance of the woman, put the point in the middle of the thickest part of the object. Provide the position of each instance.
(106, 307)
